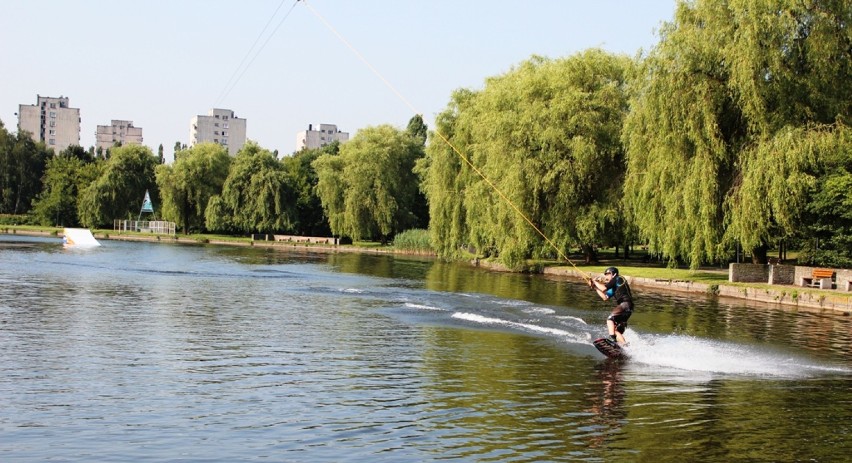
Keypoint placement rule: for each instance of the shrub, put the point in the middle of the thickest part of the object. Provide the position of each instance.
(414, 240)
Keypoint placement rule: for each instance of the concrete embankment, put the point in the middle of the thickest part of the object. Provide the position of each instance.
(786, 295)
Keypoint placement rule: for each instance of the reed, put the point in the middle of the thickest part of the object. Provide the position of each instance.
(414, 240)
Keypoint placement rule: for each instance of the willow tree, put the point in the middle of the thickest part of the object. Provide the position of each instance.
(369, 190)
(120, 186)
(310, 219)
(444, 178)
(257, 195)
(711, 161)
(187, 185)
(65, 177)
(545, 139)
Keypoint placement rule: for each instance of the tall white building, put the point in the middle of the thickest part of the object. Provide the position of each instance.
(51, 121)
(118, 132)
(219, 126)
(325, 134)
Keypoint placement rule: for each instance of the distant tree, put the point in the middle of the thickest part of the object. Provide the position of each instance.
(187, 184)
(178, 148)
(66, 176)
(160, 154)
(368, 191)
(256, 196)
(118, 190)
(77, 152)
(22, 165)
(310, 218)
(418, 129)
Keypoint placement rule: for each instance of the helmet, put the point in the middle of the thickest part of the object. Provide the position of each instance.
(611, 270)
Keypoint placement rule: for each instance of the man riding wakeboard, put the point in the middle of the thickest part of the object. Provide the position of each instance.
(615, 287)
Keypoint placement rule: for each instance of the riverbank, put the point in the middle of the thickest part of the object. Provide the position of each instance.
(761, 294)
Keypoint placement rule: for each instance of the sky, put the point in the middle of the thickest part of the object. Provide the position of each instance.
(284, 64)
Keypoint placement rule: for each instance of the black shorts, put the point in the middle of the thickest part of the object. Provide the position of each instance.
(620, 314)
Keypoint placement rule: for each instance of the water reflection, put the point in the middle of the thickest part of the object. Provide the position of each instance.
(606, 403)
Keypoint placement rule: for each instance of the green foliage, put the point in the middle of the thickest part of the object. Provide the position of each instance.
(118, 189)
(187, 185)
(713, 289)
(22, 164)
(309, 217)
(546, 135)
(827, 230)
(256, 196)
(418, 129)
(721, 114)
(443, 179)
(77, 152)
(413, 240)
(369, 191)
(66, 176)
(17, 219)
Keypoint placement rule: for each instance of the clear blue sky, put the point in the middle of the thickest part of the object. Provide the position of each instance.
(160, 62)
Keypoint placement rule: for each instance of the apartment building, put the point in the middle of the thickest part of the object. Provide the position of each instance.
(122, 132)
(323, 135)
(51, 121)
(219, 126)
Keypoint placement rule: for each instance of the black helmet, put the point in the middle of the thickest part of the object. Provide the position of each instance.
(611, 270)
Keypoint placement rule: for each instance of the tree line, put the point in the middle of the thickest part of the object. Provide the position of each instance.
(731, 133)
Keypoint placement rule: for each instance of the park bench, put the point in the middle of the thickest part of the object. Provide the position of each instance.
(820, 278)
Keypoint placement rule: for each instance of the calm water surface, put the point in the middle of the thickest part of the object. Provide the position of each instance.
(157, 352)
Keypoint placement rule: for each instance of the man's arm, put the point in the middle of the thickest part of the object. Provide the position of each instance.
(599, 287)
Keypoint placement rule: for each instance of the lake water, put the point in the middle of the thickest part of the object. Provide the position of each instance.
(161, 352)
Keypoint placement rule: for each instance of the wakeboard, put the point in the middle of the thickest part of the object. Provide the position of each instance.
(609, 348)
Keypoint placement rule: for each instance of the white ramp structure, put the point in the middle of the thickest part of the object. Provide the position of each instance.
(79, 238)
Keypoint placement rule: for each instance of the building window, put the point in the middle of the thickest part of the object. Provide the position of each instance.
(216, 124)
(224, 133)
(216, 132)
(53, 115)
(52, 105)
(52, 132)
(226, 125)
(52, 141)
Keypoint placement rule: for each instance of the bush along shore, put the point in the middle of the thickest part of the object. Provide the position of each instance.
(708, 283)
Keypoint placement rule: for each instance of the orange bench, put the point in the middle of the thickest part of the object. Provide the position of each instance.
(820, 278)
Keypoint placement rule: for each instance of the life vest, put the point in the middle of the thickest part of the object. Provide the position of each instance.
(621, 291)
